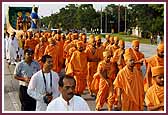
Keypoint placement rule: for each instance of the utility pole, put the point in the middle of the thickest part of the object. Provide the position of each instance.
(118, 18)
(125, 19)
(105, 21)
(101, 22)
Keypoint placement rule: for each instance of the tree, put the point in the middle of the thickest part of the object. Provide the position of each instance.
(149, 17)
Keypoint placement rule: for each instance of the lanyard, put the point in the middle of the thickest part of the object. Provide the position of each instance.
(45, 81)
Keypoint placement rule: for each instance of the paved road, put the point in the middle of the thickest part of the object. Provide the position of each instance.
(10, 85)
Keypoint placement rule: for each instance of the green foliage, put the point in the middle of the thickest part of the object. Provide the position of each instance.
(149, 17)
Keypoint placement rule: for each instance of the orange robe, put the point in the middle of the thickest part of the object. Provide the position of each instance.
(105, 87)
(137, 56)
(30, 43)
(39, 52)
(60, 44)
(53, 50)
(112, 48)
(100, 52)
(68, 46)
(77, 67)
(105, 44)
(151, 62)
(68, 57)
(131, 85)
(91, 66)
(116, 59)
(65, 45)
(155, 96)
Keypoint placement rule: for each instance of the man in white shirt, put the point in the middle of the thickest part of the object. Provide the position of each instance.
(43, 86)
(67, 101)
(12, 48)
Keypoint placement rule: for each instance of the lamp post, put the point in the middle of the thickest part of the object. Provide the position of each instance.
(105, 21)
(118, 18)
(101, 22)
(125, 19)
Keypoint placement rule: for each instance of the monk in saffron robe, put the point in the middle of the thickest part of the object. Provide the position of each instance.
(70, 52)
(39, 50)
(119, 55)
(60, 44)
(70, 44)
(92, 53)
(107, 42)
(112, 47)
(106, 73)
(30, 42)
(53, 50)
(99, 47)
(137, 55)
(115, 45)
(129, 87)
(154, 97)
(77, 67)
(156, 60)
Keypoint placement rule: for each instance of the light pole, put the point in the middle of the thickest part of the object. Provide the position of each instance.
(125, 18)
(105, 21)
(101, 22)
(118, 18)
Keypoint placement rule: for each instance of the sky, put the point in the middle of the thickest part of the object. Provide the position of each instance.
(47, 8)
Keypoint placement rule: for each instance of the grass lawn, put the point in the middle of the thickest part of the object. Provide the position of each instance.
(129, 38)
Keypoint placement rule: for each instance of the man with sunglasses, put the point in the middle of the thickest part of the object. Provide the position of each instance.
(67, 101)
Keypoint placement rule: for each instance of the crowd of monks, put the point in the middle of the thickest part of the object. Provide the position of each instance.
(109, 71)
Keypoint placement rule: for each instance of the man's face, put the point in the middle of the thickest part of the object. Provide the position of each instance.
(80, 48)
(49, 63)
(107, 58)
(12, 36)
(98, 42)
(116, 42)
(160, 53)
(94, 43)
(28, 56)
(131, 62)
(159, 80)
(68, 89)
(135, 47)
(122, 46)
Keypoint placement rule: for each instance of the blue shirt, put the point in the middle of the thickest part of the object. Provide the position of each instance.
(23, 69)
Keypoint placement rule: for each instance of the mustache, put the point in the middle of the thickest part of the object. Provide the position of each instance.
(71, 93)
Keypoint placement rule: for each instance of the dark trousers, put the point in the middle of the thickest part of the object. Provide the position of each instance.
(27, 102)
